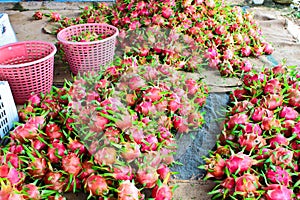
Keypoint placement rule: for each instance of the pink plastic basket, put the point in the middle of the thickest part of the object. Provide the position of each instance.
(28, 67)
(88, 56)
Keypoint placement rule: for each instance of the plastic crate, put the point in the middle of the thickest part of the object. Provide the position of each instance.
(8, 110)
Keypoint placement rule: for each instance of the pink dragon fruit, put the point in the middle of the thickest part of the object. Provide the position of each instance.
(272, 101)
(164, 172)
(294, 97)
(37, 168)
(239, 163)
(278, 192)
(96, 185)
(259, 113)
(229, 184)
(31, 191)
(269, 123)
(147, 176)
(87, 169)
(273, 86)
(130, 151)
(71, 164)
(296, 130)
(251, 141)
(180, 124)
(281, 156)
(288, 113)
(252, 128)
(162, 192)
(278, 140)
(55, 181)
(237, 119)
(128, 191)
(150, 143)
(122, 172)
(215, 167)
(76, 147)
(106, 156)
(247, 185)
(53, 131)
(146, 108)
(246, 51)
(56, 151)
(279, 175)
(241, 106)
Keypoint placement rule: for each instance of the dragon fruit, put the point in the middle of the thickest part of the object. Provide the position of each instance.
(87, 169)
(71, 164)
(272, 101)
(294, 97)
(150, 143)
(130, 151)
(278, 140)
(251, 141)
(288, 113)
(259, 113)
(237, 119)
(164, 172)
(269, 123)
(215, 167)
(53, 131)
(147, 176)
(77, 147)
(281, 156)
(229, 184)
(128, 191)
(106, 156)
(162, 192)
(96, 185)
(55, 181)
(31, 191)
(273, 86)
(122, 172)
(247, 185)
(239, 163)
(37, 168)
(56, 151)
(278, 192)
(279, 175)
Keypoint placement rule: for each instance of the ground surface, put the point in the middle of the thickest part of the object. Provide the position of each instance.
(274, 19)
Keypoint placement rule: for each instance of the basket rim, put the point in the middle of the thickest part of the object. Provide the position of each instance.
(32, 62)
(59, 38)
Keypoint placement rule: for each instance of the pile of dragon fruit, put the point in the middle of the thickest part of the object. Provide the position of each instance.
(109, 135)
(257, 153)
(225, 35)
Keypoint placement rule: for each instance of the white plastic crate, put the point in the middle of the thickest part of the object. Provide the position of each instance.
(7, 34)
(8, 110)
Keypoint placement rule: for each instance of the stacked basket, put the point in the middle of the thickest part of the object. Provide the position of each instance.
(28, 67)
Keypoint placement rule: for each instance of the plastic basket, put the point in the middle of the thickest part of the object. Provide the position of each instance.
(88, 56)
(28, 67)
(8, 110)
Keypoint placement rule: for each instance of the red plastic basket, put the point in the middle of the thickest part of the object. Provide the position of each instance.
(28, 67)
(88, 56)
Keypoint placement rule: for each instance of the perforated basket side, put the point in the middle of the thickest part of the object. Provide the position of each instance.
(8, 110)
(28, 67)
(88, 56)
